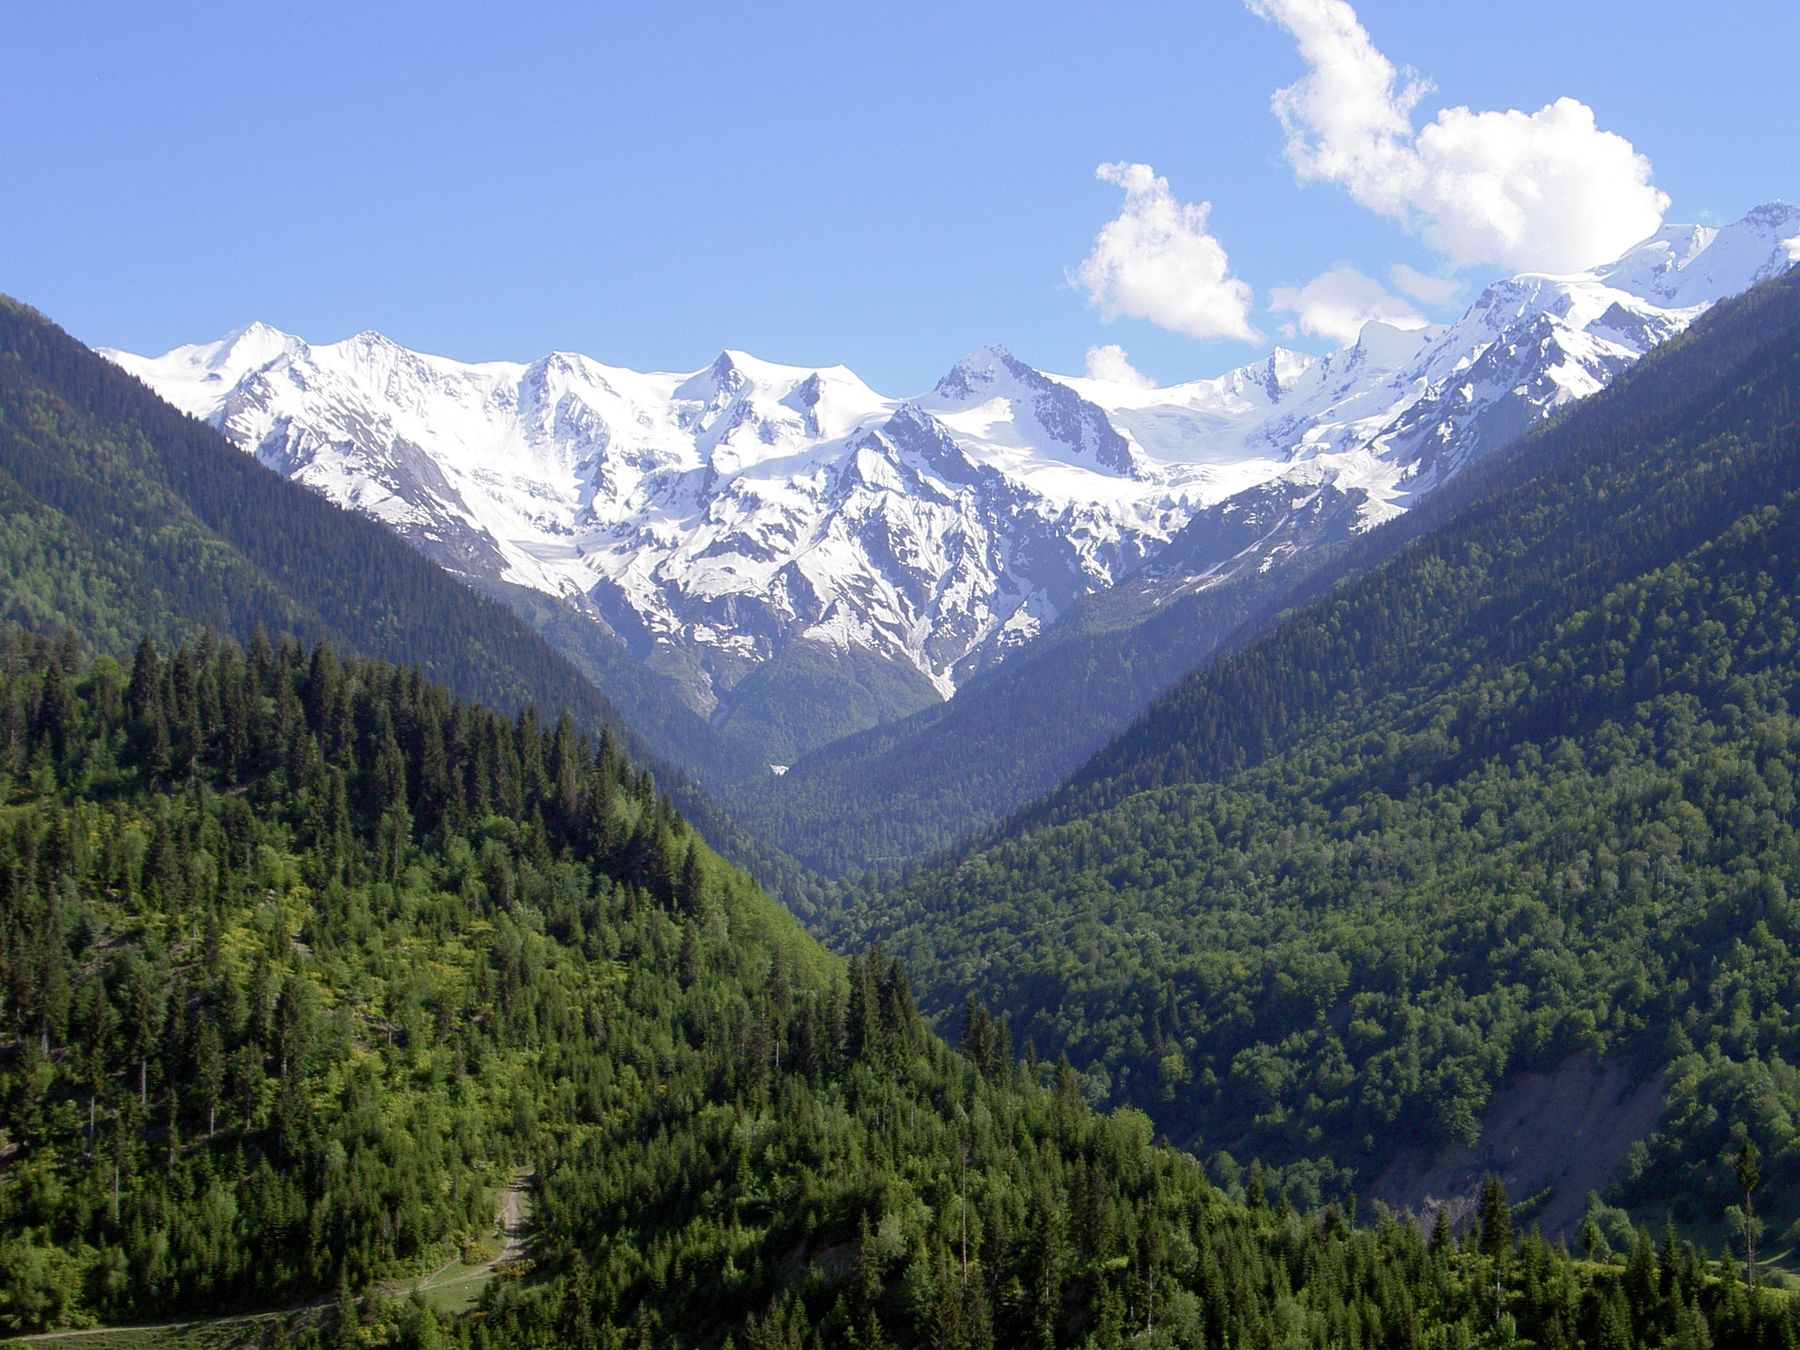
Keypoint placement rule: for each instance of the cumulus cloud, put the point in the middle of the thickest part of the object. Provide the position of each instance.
(1546, 190)
(1110, 363)
(1422, 286)
(1338, 303)
(1156, 260)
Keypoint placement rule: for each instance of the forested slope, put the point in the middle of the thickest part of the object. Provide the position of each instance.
(1673, 454)
(1525, 791)
(297, 954)
(261, 1037)
(119, 516)
(901, 792)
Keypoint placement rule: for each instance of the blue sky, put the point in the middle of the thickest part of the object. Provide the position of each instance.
(879, 185)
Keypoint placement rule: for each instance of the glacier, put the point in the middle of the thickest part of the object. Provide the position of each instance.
(718, 519)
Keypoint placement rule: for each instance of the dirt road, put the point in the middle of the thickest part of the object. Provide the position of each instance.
(509, 1219)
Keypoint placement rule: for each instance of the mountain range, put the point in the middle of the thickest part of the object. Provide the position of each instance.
(799, 558)
(1452, 855)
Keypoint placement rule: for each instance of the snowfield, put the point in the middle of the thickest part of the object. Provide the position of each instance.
(713, 517)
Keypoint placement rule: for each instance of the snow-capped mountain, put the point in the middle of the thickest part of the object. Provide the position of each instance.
(721, 520)
(1339, 443)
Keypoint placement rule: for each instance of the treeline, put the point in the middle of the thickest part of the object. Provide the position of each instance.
(1552, 519)
(1696, 436)
(1354, 944)
(872, 804)
(131, 517)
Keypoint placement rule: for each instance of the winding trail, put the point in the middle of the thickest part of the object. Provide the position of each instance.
(509, 1218)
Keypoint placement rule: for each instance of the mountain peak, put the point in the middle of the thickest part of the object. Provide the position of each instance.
(255, 344)
(367, 340)
(1775, 211)
(717, 384)
(733, 368)
(680, 500)
(980, 369)
(1681, 266)
(1283, 370)
(1385, 345)
(1777, 222)
(254, 331)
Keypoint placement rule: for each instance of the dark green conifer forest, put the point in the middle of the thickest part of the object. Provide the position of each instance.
(330, 912)
(301, 956)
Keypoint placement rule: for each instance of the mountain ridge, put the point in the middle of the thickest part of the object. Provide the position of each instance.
(1482, 810)
(713, 520)
(125, 517)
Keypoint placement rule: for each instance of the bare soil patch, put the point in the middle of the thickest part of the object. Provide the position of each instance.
(1566, 1131)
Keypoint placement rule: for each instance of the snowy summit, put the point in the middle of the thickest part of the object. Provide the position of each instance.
(716, 519)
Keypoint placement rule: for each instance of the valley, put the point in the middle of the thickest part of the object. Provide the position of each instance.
(552, 853)
(798, 559)
(1466, 866)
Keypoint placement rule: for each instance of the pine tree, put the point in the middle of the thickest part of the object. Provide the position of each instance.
(1746, 1169)
(149, 725)
(863, 1031)
(690, 892)
(1493, 1217)
(1440, 1231)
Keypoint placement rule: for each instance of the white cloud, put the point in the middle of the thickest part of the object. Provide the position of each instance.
(1155, 260)
(1545, 190)
(1422, 286)
(1110, 363)
(1338, 303)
